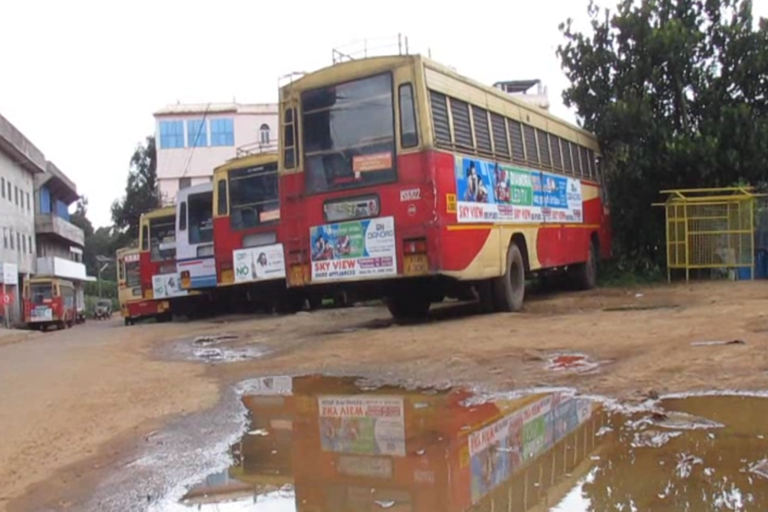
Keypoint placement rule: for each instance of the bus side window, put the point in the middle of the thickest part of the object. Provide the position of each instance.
(145, 237)
(183, 216)
(409, 136)
(222, 208)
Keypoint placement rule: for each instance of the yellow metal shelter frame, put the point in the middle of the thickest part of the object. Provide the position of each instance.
(710, 228)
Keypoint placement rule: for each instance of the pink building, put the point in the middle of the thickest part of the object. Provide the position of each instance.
(193, 139)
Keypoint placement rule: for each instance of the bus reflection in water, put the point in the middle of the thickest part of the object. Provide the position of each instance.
(320, 444)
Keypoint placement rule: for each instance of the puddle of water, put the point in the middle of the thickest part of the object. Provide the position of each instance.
(327, 444)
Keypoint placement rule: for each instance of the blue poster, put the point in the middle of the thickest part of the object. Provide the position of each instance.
(489, 468)
(550, 191)
(475, 181)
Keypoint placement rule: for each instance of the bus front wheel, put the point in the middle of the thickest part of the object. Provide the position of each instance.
(509, 289)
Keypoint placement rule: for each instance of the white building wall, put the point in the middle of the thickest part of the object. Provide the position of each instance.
(197, 163)
(17, 216)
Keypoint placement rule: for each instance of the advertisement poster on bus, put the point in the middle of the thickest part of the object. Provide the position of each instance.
(259, 263)
(493, 192)
(353, 249)
(165, 286)
(362, 425)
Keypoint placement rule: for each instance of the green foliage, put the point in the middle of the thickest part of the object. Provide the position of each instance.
(108, 288)
(141, 190)
(676, 92)
(104, 241)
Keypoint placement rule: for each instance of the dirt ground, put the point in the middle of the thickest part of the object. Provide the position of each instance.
(73, 402)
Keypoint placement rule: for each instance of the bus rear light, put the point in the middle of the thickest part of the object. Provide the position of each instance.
(294, 258)
(415, 246)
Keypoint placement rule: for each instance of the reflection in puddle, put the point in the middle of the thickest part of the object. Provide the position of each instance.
(318, 444)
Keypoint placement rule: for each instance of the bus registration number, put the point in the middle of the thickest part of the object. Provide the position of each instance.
(415, 264)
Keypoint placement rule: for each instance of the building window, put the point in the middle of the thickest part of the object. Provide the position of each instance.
(29, 203)
(197, 134)
(2, 186)
(10, 196)
(5, 234)
(264, 134)
(45, 200)
(171, 134)
(222, 132)
(24, 244)
(16, 195)
(18, 241)
(12, 247)
(31, 249)
(185, 183)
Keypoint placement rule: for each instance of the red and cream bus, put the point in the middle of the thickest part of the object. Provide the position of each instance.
(400, 178)
(246, 228)
(49, 301)
(133, 305)
(157, 245)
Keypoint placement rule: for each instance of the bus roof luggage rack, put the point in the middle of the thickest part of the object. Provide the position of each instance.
(255, 148)
(371, 47)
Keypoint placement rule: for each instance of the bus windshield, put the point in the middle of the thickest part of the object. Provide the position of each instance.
(162, 233)
(132, 274)
(200, 218)
(41, 292)
(253, 196)
(349, 134)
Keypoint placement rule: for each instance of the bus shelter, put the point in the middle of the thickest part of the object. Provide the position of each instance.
(711, 228)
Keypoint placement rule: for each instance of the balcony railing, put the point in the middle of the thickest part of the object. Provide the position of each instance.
(48, 223)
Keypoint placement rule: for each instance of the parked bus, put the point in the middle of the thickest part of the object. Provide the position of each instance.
(246, 220)
(157, 245)
(195, 260)
(404, 179)
(133, 305)
(49, 301)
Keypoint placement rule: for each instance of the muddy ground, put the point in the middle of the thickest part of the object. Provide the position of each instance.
(77, 404)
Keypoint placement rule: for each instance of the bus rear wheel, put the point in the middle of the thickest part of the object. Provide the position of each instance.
(509, 289)
(584, 275)
(409, 306)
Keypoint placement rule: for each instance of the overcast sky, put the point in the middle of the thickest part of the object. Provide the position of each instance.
(81, 78)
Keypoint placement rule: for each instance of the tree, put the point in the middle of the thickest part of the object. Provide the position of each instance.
(104, 241)
(141, 190)
(675, 91)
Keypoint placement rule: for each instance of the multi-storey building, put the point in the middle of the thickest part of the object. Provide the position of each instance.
(193, 139)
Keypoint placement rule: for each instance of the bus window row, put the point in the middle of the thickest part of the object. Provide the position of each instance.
(463, 127)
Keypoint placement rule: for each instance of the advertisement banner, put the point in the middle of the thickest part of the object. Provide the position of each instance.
(499, 193)
(166, 285)
(353, 249)
(360, 425)
(259, 263)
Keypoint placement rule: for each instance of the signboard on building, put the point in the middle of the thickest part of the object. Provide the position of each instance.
(10, 274)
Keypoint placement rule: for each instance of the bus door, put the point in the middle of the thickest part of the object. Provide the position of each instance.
(195, 253)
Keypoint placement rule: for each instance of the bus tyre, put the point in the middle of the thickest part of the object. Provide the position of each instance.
(408, 306)
(509, 289)
(584, 276)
